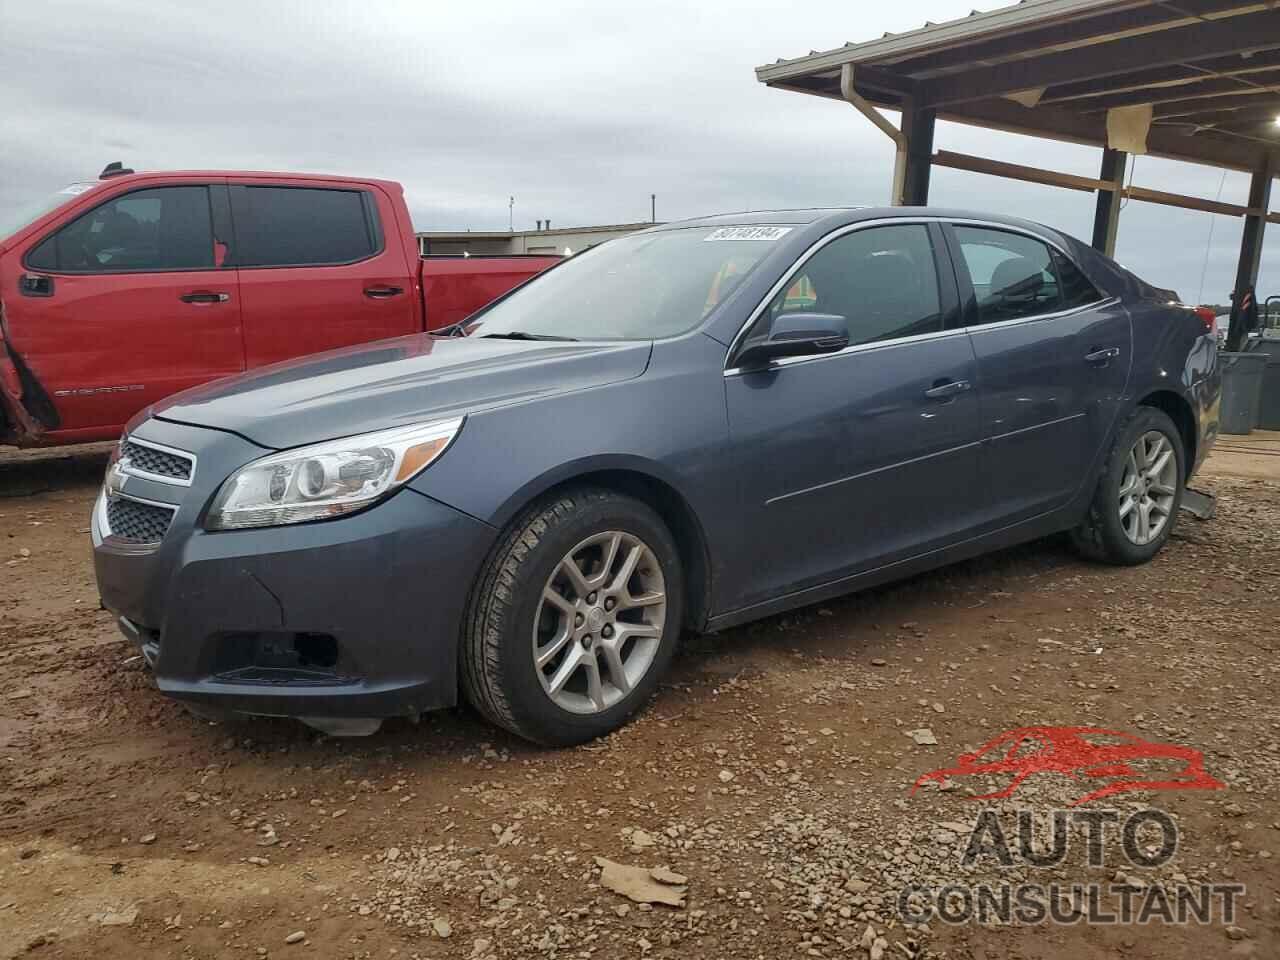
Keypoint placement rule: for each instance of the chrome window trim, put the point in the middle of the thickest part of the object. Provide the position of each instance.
(804, 258)
(132, 471)
(1036, 318)
(889, 221)
(855, 348)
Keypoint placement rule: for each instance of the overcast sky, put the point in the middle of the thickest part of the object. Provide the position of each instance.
(578, 109)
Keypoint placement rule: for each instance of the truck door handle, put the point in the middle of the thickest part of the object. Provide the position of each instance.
(382, 293)
(204, 296)
(1102, 355)
(30, 285)
(945, 390)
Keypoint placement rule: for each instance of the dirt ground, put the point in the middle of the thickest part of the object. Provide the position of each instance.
(773, 770)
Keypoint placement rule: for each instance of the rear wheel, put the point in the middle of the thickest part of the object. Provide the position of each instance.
(574, 618)
(1136, 503)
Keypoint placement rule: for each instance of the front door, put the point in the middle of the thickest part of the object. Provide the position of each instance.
(127, 304)
(853, 460)
(1053, 360)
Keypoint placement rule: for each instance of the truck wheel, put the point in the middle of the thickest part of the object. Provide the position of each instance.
(1139, 493)
(574, 618)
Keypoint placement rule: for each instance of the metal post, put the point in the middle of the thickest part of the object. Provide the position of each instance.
(1251, 247)
(1106, 218)
(917, 126)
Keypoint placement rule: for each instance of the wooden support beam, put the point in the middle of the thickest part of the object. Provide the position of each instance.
(1159, 77)
(1201, 41)
(1205, 87)
(1255, 226)
(1069, 181)
(1106, 215)
(1246, 98)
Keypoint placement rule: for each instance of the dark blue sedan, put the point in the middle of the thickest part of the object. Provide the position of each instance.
(685, 429)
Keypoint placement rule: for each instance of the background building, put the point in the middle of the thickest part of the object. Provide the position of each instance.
(499, 243)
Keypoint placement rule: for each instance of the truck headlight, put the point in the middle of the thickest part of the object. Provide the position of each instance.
(327, 479)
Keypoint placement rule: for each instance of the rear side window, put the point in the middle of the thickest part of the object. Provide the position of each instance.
(1076, 289)
(167, 228)
(303, 226)
(1012, 274)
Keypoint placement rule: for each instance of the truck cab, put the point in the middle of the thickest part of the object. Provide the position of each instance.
(138, 285)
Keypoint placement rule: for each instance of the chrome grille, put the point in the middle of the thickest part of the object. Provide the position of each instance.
(160, 463)
(136, 522)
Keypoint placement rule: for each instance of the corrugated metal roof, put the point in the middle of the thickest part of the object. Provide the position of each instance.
(1210, 69)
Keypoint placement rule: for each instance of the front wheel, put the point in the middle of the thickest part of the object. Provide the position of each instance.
(1136, 503)
(574, 618)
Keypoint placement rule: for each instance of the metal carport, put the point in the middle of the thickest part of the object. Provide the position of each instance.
(1192, 80)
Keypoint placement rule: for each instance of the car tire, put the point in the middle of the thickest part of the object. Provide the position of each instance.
(1129, 489)
(525, 602)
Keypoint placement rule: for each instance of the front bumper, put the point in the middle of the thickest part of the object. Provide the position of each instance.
(357, 617)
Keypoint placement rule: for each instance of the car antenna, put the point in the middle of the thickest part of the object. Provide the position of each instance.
(114, 169)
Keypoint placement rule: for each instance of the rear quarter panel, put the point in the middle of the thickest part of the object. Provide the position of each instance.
(1172, 351)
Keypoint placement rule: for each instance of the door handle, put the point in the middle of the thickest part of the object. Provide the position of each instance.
(1102, 355)
(30, 285)
(947, 389)
(205, 296)
(382, 293)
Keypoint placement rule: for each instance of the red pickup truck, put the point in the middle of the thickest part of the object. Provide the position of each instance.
(118, 292)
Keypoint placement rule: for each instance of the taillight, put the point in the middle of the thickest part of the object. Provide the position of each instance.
(1209, 318)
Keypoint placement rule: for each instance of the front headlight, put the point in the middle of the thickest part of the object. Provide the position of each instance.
(327, 479)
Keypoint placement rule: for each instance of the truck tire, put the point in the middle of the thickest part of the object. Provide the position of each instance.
(574, 618)
(1136, 502)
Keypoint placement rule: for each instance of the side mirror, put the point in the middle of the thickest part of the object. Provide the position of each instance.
(797, 335)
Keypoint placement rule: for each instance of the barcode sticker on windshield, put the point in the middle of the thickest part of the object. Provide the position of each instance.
(748, 233)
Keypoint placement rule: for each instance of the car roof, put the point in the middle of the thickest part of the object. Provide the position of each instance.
(838, 216)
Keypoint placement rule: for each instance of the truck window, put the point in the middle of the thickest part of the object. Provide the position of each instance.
(165, 228)
(303, 226)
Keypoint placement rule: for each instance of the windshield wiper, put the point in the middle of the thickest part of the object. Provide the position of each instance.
(522, 335)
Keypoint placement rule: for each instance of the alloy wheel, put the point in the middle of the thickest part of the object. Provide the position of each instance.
(1148, 488)
(599, 622)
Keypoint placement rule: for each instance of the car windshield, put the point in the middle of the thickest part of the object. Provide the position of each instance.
(641, 287)
(14, 219)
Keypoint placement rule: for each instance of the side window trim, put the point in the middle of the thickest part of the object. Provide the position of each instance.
(209, 187)
(947, 305)
(969, 298)
(239, 192)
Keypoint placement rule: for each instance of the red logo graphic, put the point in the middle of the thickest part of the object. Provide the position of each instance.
(1082, 753)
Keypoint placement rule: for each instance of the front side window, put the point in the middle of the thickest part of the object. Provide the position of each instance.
(166, 228)
(642, 287)
(303, 226)
(882, 280)
(1012, 274)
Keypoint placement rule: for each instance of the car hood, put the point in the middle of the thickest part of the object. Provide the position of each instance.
(392, 382)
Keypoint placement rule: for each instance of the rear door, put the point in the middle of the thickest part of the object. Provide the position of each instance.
(853, 460)
(128, 303)
(1053, 360)
(320, 267)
